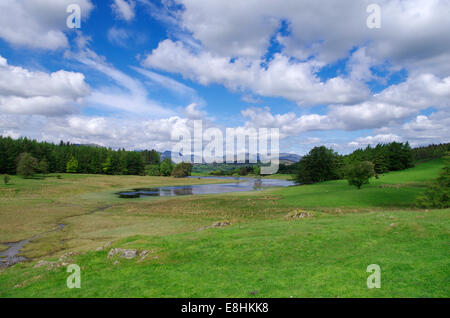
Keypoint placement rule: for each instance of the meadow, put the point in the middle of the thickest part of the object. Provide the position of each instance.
(262, 253)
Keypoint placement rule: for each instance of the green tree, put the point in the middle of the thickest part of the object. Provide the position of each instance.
(256, 170)
(359, 173)
(72, 165)
(320, 164)
(166, 167)
(152, 170)
(107, 165)
(43, 166)
(181, 170)
(437, 194)
(27, 165)
(6, 178)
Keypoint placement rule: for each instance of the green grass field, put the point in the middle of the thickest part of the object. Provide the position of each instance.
(262, 254)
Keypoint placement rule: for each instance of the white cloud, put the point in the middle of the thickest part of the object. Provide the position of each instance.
(26, 92)
(124, 9)
(129, 95)
(167, 82)
(282, 78)
(411, 31)
(374, 140)
(131, 132)
(118, 36)
(38, 24)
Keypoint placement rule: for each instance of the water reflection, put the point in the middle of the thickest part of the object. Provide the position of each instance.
(245, 184)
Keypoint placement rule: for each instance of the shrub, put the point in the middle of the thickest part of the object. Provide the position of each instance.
(6, 178)
(181, 170)
(359, 173)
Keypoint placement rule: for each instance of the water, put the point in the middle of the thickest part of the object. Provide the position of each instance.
(11, 255)
(239, 185)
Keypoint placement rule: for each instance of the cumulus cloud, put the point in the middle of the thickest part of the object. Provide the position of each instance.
(129, 132)
(124, 9)
(26, 92)
(411, 31)
(281, 78)
(374, 140)
(38, 24)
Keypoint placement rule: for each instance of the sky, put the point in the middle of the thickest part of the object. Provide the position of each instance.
(138, 70)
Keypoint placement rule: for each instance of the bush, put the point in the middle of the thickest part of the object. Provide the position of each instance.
(6, 178)
(182, 170)
(359, 173)
(27, 165)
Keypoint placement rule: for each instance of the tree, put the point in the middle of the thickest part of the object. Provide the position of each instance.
(6, 178)
(27, 165)
(181, 170)
(43, 166)
(256, 170)
(437, 194)
(152, 170)
(107, 165)
(320, 164)
(72, 165)
(166, 167)
(359, 173)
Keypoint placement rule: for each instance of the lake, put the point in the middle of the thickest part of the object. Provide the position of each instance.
(236, 184)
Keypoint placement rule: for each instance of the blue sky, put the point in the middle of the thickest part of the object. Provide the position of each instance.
(137, 70)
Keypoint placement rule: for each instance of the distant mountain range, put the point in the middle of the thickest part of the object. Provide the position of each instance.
(285, 158)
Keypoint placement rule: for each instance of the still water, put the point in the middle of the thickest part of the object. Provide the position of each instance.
(235, 184)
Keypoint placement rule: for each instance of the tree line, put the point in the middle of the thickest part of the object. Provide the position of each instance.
(323, 164)
(27, 157)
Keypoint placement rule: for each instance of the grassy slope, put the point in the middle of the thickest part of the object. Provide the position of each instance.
(322, 256)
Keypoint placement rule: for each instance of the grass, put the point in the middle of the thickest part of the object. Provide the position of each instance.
(325, 255)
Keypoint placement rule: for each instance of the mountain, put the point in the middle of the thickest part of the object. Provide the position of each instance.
(285, 158)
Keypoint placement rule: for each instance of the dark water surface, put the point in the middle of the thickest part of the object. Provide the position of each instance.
(236, 184)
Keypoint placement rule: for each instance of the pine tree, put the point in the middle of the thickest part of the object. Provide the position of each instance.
(72, 165)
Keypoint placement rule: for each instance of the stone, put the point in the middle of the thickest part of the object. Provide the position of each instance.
(299, 214)
(128, 254)
(113, 252)
(42, 263)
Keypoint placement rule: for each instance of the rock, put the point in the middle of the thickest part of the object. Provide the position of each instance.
(129, 254)
(253, 292)
(113, 252)
(99, 248)
(116, 263)
(299, 214)
(42, 263)
(143, 253)
(221, 224)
